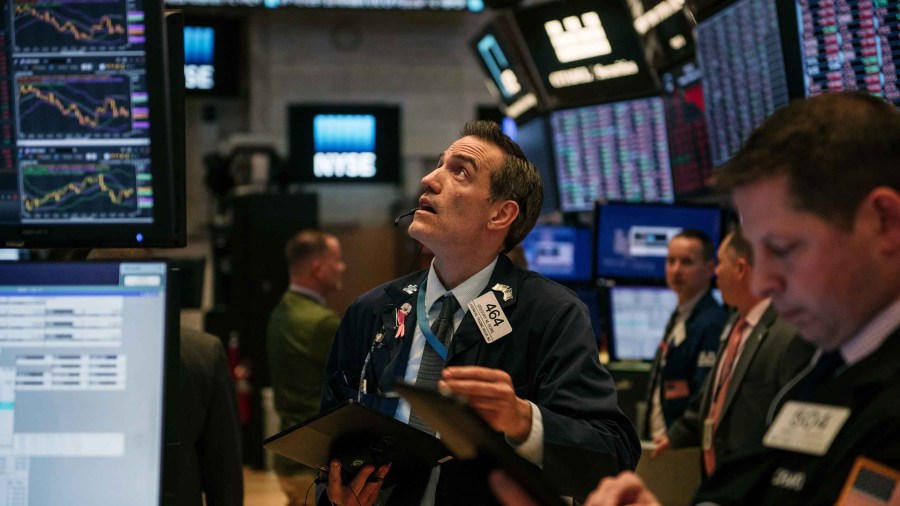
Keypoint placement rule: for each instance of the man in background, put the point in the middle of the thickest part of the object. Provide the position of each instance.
(688, 347)
(818, 191)
(758, 355)
(301, 329)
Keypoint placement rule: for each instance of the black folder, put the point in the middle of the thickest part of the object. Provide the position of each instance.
(471, 438)
(357, 435)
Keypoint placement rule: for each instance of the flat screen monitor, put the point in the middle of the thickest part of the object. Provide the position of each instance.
(345, 143)
(638, 317)
(534, 139)
(637, 320)
(85, 148)
(740, 51)
(560, 253)
(632, 240)
(665, 30)
(847, 45)
(686, 125)
(82, 364)
(212, 56)
(585, 52)
(500, 55)
(616, 151)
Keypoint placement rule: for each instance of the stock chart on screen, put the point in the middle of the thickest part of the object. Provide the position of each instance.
(75, 114)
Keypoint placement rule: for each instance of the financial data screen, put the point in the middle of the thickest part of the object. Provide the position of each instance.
(739, 49)
(850, 45)
(75, 139)
(616, 151)
(638, 317)
(688, 138)
(81, 383)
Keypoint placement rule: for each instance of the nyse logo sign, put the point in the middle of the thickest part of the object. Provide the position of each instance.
(578, 38)
(498, 65)
(344, 146)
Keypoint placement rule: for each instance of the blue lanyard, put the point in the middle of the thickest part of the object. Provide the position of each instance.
(422, 320)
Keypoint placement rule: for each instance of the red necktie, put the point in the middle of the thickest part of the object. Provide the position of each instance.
(721, 391)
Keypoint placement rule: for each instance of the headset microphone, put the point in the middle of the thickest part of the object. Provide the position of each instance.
(404, 215)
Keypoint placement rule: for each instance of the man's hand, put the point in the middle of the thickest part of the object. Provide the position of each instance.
(621, 490)
(361, 491)
(662, 445)
(490, 392)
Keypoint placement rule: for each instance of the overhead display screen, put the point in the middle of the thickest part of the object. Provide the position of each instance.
(613, 151)
(849, 45)
(418, 5)
(585, 51)
(744, 78)
(498, 55)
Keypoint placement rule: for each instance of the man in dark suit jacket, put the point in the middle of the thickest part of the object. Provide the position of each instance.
(818, 190)
(210, 431)
(688, 348)
(530, 369)
(766, 353)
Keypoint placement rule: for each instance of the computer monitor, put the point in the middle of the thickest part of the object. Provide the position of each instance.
(560, 253)
(339, 143)
(82, 364)
(665, 30)
(585, 52)
(213, 55)
(534, 138)
(740, 51)
(85, 149)
(849, 45)
(616, 151)
(499, 52)
(632, 239)
(637, 319)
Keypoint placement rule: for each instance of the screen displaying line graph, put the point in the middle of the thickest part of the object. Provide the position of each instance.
(74, 106)
(91, 185)
(75, 25)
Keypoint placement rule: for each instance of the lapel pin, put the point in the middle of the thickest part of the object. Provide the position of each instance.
(505, 290)
(410, 289)
(401, 320)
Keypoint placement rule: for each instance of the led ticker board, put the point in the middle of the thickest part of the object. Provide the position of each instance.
(665, 31)
(500, 58)
(848, 45)
(585, 51)
(342, 143)
(740, 51)
(613, 151)
(688, 137)
(417, 5)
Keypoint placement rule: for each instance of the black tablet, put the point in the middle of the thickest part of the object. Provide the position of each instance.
(357, 435)
(469, 437)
